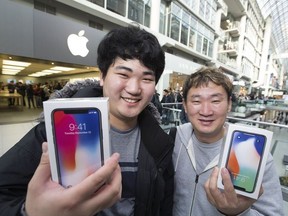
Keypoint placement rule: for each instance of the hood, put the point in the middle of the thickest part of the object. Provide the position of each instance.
(184, 132)
(72, 87)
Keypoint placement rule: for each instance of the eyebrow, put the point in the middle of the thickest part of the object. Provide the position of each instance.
(213, 95)
(120, 67)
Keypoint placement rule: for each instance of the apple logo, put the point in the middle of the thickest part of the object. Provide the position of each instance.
(77, 44)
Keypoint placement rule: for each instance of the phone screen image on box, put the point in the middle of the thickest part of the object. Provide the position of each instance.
(244, 159)
(78, 143)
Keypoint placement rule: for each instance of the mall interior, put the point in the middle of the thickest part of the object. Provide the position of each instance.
(53, 42)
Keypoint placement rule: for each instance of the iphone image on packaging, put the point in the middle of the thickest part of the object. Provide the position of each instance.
(78, 143)
(244, 159)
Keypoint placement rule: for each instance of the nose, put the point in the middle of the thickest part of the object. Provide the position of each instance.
(206, 109)
(133, 86)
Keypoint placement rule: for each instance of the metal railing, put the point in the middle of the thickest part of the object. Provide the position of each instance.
(279, 145)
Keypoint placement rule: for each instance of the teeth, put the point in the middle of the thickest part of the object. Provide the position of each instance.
(130, 100)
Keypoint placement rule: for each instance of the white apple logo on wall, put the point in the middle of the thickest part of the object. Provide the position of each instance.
(77, 44)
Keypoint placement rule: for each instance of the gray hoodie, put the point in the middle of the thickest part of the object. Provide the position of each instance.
(193, 166)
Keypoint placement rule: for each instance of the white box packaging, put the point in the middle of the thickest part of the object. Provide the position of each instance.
(78, 137)
(244, 153)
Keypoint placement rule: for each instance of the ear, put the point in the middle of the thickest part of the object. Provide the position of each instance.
(184, 105)
(229, 104)
(101, 79)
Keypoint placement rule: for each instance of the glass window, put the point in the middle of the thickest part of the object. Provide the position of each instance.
(193, 22)
(199, 43)
(184, 33)
(205, 46)
(117, 6)
(147, 13)
(98, 2)
(192, 39)
(185, 28)
(202, 8)
(162, 19)
(135, 10)
(208, 14)
(175, 27)
(210, 49)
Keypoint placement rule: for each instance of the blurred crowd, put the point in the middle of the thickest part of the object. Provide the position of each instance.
(33, 95)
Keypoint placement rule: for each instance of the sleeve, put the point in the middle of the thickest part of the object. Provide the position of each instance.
(271, 201)
(17, 168)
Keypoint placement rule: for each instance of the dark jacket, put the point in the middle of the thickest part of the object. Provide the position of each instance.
(155, 177)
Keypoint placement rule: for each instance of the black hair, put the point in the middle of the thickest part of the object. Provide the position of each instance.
(131, 43)
(203, 76)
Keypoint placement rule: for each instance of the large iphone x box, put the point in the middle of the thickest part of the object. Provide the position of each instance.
(244, 155)
(78, 137)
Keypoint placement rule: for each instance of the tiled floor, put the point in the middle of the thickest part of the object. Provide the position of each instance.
(14, 124)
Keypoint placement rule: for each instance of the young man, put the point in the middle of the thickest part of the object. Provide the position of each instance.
(131, 62)
(207, 100)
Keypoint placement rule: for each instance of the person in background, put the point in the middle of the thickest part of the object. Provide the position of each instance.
(156, 101)
(37, 93)
(21, 89)
(30, 95)
(183, 116)
(11, 89)
(131, 62)
(167, 114)
(207, 101)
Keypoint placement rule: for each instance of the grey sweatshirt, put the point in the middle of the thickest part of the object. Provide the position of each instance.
(193, 166)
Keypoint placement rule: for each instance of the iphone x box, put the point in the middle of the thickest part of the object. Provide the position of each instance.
(78, 137)
(244, 154)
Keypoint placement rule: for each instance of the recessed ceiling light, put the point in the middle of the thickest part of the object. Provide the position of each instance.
(16, 63)
(12, 67)
(62, 68)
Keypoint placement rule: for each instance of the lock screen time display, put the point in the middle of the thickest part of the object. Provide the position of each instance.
(244, 159)
(78, 143)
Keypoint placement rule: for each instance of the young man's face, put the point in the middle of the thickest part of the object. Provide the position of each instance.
(130, 87)
(207, 108)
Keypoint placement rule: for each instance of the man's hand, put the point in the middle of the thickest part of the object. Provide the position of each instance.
(98, 191)
(227, 201)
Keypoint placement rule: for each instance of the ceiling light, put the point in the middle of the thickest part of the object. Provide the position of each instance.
(9, 72)
(51, 71)
(12, 67)
(62, 68)
(16, 63)
(12, 70)
(34, 75)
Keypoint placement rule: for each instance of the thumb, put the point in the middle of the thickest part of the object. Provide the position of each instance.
(43, 171)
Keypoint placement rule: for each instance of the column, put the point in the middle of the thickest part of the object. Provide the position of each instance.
(155, 15)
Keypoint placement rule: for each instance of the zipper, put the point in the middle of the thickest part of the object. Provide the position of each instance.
(194, 193)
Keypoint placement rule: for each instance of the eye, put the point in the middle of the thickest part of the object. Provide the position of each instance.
(122, 75)
(149, 79)
(195, 102)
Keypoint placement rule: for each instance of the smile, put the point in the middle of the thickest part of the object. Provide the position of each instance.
(129, 100)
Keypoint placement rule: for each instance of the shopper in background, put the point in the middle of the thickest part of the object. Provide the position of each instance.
(207, 101)
(11, 89)
(167, 113)
(21, 89)
(30, 96)
(131, 62)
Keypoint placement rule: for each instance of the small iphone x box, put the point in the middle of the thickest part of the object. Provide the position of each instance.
(244, 154)
(78, 137)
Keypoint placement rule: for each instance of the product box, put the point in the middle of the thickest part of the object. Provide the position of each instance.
(244, 154)
(78, 137)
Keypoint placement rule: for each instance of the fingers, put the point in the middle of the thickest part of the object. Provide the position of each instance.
(209, 185)
(108, 194)
(43, 172)
(229, 190)
(92, 183)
